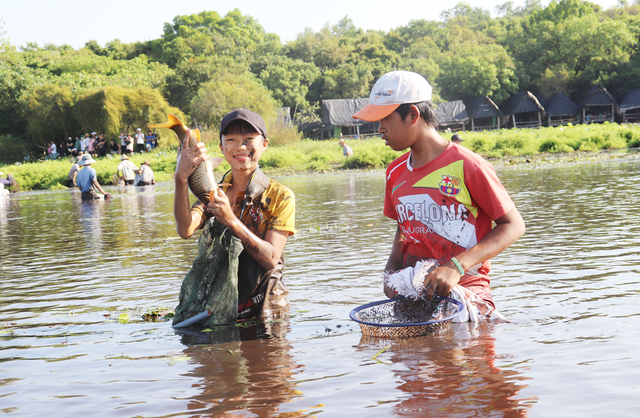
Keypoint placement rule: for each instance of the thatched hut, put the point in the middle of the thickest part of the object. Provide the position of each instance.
(598, 105)
(630, 107)
(523, 110)
(483, 113)
(451, 115)
(560, 110)
(337, 113)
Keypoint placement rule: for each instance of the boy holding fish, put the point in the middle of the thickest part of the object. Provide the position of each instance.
(257, 210)
(443, 196)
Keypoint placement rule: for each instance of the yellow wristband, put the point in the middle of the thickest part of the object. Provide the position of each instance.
(458, 265)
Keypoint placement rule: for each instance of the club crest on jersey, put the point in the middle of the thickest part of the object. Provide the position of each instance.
(450, 185)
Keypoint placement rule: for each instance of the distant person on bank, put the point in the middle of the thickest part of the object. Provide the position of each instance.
(140, 140)
(101, 146)
(127, 171)
(146, 175)
(87, 179)
(346, 149)
(457, 139)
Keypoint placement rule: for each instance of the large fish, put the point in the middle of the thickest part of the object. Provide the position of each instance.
(201, 182)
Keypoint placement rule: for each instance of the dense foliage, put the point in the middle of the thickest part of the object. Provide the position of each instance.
(204, 64)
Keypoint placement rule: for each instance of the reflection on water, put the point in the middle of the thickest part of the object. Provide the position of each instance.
(242, 369)
(569, 286)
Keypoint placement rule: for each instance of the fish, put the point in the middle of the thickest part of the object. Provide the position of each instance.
(201, 182)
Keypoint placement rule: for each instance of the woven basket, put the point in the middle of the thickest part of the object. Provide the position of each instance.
(402, 318)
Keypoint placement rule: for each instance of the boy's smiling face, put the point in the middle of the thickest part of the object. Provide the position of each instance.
(243, 150)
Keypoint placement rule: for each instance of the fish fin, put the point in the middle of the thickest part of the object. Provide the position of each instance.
(173, 121)
(215, 162)
(196, 134)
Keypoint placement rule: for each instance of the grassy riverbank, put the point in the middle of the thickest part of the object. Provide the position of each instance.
(308, 155)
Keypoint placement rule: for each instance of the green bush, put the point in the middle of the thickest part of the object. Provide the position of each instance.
(364, 158)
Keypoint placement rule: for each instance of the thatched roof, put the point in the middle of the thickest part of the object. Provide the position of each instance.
(481, 107)
(597, 96)
(338, 112)
(522, 102)
(558, 105)
(451, 112)
(630, 101)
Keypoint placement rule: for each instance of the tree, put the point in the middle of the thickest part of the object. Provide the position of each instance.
(114, 109)
(321, 48)
(348, 81)
(226, 91)
(190, 75)
(47, 110)
(288, 79)
(469, 71)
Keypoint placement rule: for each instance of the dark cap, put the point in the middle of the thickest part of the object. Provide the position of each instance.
(252, 118)
(456, 137)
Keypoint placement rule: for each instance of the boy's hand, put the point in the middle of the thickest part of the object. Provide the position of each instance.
(441, 280)
(220, 207)
(189, 158)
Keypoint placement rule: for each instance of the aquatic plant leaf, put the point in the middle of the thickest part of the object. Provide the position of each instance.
(173, 360)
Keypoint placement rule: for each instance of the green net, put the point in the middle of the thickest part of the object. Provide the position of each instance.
(212, 282)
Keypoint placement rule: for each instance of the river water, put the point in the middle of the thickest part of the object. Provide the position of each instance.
(570, 288)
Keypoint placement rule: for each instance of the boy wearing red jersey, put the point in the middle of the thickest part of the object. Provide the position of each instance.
(443, 196)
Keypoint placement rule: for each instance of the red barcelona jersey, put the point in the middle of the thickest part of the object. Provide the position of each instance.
(446, 207)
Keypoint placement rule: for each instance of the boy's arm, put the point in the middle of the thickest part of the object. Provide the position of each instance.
(266, 252)
(509, 227)
(187, 220)
(395, 259)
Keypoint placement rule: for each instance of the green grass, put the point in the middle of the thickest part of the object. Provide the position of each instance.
(309, 155)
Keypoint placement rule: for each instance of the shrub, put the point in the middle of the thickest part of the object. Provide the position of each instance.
(365, 158)
(554, 145)
(284, 135)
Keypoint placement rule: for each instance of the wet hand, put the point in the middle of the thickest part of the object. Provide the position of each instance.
(220, 207)
(441, 280)
(189, 158)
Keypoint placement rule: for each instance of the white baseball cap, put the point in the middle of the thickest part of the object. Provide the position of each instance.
(392, 90)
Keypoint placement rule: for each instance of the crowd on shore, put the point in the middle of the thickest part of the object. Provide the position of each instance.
(96, 145)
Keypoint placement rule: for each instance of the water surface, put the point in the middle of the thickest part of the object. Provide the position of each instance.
(569, 287)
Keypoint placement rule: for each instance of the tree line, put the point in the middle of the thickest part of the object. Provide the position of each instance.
(205, 64)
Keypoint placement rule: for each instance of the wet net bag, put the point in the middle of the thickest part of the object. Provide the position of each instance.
(405, 318)
(212, 282)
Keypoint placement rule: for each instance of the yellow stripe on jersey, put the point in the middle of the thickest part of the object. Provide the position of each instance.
(453, 170)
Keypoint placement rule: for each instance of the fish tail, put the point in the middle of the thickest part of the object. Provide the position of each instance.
(175, 125)
(173, 121)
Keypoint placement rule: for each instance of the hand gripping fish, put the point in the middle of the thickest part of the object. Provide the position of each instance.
(201, 181)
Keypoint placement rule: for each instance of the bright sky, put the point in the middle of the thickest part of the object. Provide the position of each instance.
(75, 22)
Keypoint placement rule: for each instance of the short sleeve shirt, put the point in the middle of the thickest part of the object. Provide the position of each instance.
(127, 168)
(275, 209)
(446, 206)
(85, 178)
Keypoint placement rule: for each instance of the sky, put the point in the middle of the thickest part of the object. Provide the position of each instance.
(75, 22)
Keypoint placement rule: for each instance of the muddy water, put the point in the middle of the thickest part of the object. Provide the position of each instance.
(570, 288)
